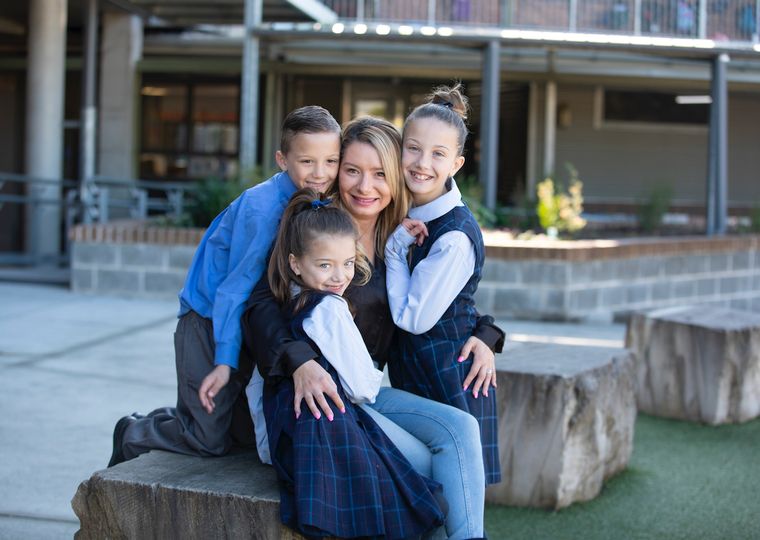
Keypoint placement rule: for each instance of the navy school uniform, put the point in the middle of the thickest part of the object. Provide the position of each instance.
(343, 478)
(426, 364)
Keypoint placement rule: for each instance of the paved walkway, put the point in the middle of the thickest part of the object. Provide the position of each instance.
(71, 365)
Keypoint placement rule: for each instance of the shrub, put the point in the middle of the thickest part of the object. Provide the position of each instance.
(559, 210)
(212, 195)
(654, 208)
(472, 194)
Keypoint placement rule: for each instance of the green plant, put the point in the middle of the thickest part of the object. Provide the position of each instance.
(472, 194)
(653, 209)
(557, 209)
(754, 220)
(212, 195)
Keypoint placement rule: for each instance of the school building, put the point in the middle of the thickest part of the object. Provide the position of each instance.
(635, 94)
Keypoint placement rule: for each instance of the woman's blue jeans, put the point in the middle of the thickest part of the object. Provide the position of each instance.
(442, 443)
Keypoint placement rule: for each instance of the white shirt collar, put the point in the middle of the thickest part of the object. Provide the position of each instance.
(438, 207)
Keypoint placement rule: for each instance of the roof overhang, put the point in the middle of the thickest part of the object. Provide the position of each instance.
(479, 37)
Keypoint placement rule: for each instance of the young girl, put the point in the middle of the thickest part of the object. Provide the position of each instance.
(339, 476)
(431, 292)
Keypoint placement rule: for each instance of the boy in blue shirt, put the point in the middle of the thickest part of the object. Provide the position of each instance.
(229, 261)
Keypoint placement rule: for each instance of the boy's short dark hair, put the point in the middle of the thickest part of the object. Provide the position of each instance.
(309, 119)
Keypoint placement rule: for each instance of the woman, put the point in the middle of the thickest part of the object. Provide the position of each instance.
(440, 441)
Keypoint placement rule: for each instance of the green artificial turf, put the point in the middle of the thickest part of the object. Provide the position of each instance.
(684, 480)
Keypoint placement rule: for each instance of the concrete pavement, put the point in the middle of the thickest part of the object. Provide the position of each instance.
(71, 365)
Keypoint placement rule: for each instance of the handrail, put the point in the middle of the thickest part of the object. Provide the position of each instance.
(94, 200)
(720, 20)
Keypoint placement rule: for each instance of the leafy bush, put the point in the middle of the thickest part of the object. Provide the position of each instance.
(654, 208)
(754, 220)
(472, 194)
(559, 210)
(212, 195)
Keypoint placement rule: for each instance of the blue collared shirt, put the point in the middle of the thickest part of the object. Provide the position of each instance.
(230, 260)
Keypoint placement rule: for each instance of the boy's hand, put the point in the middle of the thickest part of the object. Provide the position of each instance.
(312, 383)
(415, 228)
(212, 383)
(483, 370)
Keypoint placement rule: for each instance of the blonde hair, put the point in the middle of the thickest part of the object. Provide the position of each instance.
(449, 105)
(386, 140)
(309, 214)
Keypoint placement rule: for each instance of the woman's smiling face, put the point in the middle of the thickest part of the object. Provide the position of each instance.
(430, 155)
(361, 181)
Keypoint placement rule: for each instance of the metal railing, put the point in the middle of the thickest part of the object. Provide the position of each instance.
(720, 20)
(97, 202)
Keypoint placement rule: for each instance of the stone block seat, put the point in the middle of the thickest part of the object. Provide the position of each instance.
(566, 422)
(161, 495)
(697, 363)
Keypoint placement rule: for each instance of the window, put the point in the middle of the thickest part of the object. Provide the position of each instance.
(189, 130)
(651, 109)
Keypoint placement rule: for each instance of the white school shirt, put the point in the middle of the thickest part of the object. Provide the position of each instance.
(419, 299)
(331, 326)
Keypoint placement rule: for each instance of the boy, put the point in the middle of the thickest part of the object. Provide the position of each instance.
(227, 264)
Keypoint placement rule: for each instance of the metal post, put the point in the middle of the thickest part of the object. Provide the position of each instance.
(531, 160)
(249, 88)
(637, 17)
(89, 112)
(717, 183)
(702, 19)
(550, 127)
(489, 123)
(431, 12)
(270, 121)
(505, 13)
(360, 11)
(573, 15)
(44, 125)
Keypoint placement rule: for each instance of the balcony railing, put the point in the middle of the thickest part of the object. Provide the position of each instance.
(720, 20)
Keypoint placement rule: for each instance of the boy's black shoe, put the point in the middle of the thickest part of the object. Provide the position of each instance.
(117, 456)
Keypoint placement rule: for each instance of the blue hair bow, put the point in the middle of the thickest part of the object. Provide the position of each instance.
(316, 204)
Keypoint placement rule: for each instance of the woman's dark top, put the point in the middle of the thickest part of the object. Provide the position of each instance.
(268, 341)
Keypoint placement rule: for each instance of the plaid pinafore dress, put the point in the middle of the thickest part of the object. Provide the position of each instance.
(426, 364)
(343, 478)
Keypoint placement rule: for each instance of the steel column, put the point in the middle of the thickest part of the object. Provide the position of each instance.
(88, 120)
(489, 123)
(717, 166)
(249, 88)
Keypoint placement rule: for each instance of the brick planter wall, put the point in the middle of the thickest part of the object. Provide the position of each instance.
(598, 278)
(131, 259)
(527, 279)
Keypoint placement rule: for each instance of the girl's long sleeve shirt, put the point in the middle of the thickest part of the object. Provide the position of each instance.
(419, 299)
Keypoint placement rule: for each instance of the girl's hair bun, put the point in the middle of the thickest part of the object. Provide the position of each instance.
(451, 98)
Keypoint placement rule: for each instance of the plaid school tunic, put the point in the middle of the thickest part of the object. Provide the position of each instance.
(343, 478)
(426, 364)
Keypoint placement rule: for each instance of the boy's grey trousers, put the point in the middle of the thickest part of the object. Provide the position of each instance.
(188, 428)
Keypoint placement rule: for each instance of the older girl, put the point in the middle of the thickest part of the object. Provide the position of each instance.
(431, 292)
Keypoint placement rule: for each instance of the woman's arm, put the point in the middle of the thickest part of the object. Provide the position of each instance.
(272, 348)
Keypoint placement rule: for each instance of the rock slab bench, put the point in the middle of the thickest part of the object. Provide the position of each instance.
(566, 422)
(697, 363)
(161, 495)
